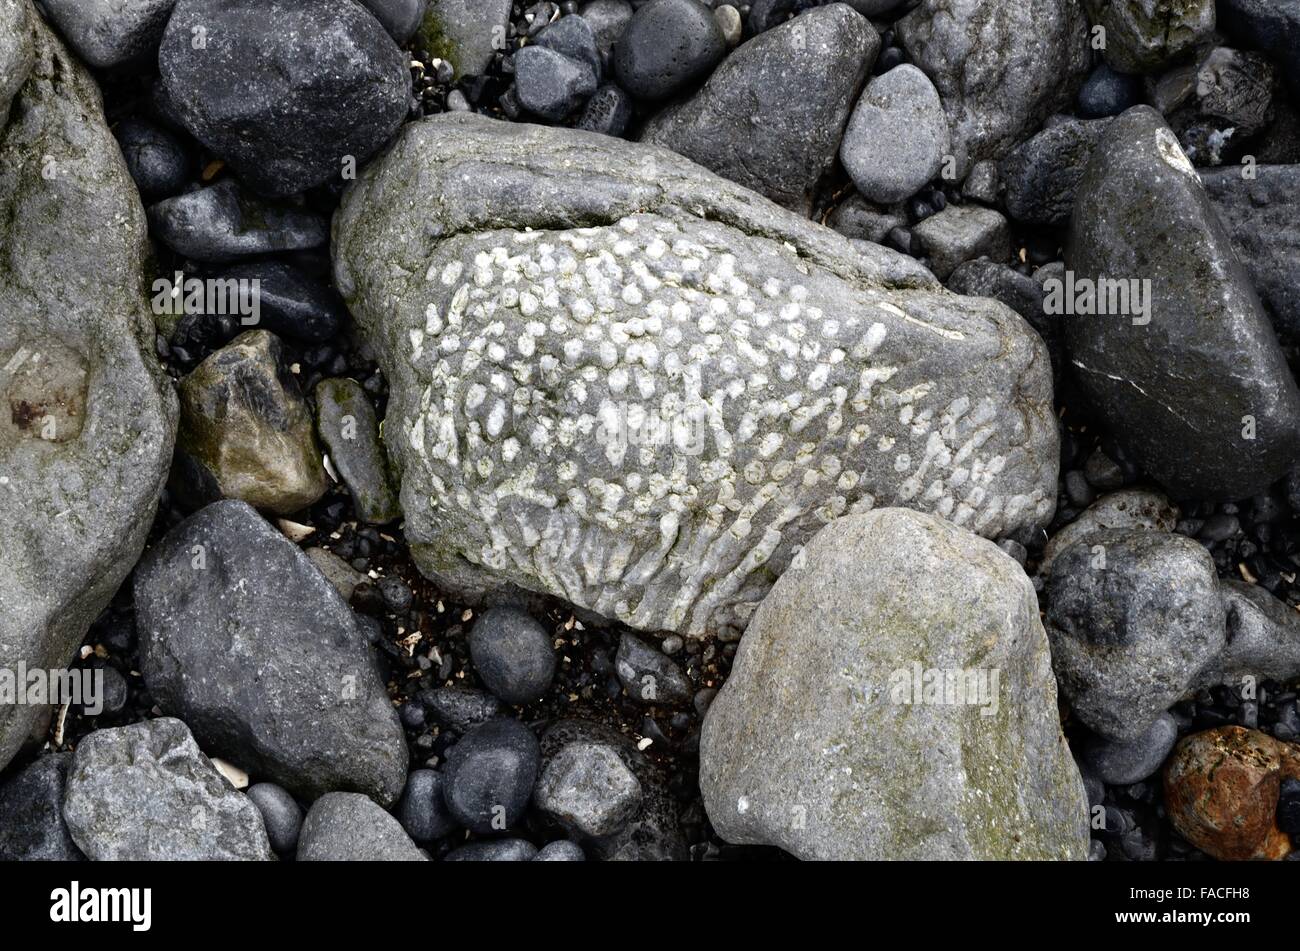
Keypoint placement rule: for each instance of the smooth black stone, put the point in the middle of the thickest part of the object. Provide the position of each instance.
(1108, 93)
(401, 18)
(489, 776)
(292, 303)
(422, 810)
(221, 223)
(512, 654)
(281, 815)
(156, 159)
(291, 93)
(668, 46)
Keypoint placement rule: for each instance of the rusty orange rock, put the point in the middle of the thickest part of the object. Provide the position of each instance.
(1221, 789)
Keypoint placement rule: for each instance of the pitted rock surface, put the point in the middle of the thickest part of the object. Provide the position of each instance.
(622, 380)
(86, 419)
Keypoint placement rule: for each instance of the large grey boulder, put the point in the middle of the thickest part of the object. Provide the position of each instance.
(1194, 384)
(622, 380)
(1133, 616)
(145, 792)
(1261, 214)
(17, 51)
(835, 738)
(1000, 67)
(746, 125)
(350, 827)
(244, 638)
(86, 416)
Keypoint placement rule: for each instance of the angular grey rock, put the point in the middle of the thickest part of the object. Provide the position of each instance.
(678, 381)
(245, 639)
(572, 37)
(550, 84)
(1133, 617)
(1122, 764)
(17, 51)
(1195, 388)
(1263, 638)
(648, 833)
(649, 676)
(963, 233)
(1000, 67)
(345, 420)
(87, 417)
(350, 827)
(1144, 36)
(291, 93)
(1018, 291)
(608, 111)
(855, 218)
(746, 125)
(983, 184)
(1262, 216)
(897, 136)
(1127, 509)
(461, 708)
(145, 792)
(587, 788)
(1042, 174)
(466, 33)
(824, 741)
(31, 813)
(107, 33)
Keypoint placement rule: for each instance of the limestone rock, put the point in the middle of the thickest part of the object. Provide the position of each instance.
(621, 380)
(836, 736)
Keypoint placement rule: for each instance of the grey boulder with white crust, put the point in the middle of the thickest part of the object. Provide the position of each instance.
(621, 380)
